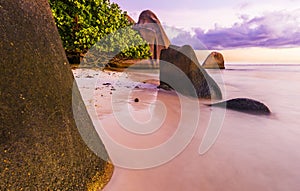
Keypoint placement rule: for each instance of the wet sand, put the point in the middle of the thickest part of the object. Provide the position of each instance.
(154, 142)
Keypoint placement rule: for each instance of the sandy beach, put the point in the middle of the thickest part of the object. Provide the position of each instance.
(155, 137)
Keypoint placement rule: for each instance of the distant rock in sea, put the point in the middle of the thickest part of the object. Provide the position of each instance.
(214, 61)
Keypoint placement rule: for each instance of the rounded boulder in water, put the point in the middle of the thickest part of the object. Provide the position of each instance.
(244, 105)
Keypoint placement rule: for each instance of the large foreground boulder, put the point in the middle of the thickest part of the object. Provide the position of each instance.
(215, 60)
(40, 145)
(180, 70)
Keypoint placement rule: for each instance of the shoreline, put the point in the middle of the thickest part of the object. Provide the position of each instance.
(246, 148)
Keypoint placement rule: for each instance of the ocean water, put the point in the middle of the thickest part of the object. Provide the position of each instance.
(249, 152)
(264, 148)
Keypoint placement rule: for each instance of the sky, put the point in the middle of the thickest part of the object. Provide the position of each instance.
(226, 25)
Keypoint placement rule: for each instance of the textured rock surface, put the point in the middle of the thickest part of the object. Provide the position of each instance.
(180, 64)
(40, 146)
(130, 20)
(152, 31)
(215, 60)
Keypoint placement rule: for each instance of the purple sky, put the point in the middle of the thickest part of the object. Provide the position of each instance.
(225, 24)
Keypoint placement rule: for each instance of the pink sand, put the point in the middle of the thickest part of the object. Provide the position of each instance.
(250, 153)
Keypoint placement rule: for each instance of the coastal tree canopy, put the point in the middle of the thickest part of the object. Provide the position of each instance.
(83, 23)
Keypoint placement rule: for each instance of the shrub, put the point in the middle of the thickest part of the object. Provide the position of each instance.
(83, 23)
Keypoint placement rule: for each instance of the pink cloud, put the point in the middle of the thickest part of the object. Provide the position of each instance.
(275, 30)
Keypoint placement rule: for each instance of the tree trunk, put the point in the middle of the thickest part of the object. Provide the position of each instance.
(40, 146)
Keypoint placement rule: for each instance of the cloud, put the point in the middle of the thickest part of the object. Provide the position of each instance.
(182, 37)
(279, 29)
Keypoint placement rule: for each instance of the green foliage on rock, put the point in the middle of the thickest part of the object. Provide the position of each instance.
(83, 23)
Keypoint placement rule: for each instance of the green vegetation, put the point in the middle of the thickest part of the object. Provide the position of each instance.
(83, 23)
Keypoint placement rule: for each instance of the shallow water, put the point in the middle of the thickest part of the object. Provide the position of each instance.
(161, 136)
